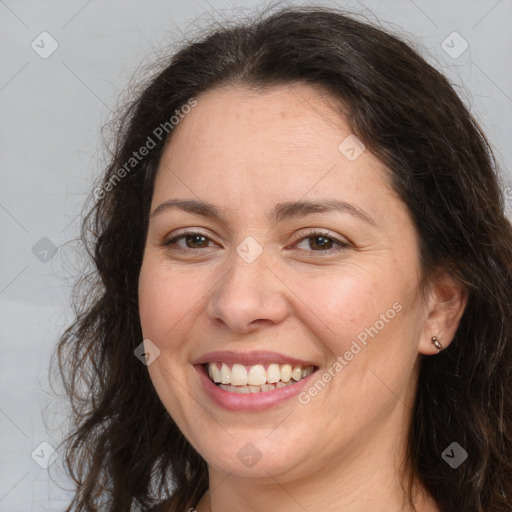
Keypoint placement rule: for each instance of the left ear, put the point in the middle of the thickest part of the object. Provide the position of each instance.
(445, 306)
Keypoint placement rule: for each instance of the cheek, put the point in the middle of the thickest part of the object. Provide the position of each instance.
(368, 319)
(166, 299)
(363, 322)
(342, 304)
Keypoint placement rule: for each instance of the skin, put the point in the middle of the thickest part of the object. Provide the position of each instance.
(244, 151)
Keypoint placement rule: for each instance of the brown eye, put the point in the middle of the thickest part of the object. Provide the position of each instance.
(321, 242)
(192, 241)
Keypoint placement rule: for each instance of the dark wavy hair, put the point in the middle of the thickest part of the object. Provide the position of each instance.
(125, 452)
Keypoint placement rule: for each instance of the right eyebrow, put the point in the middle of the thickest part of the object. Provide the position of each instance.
(191, 206)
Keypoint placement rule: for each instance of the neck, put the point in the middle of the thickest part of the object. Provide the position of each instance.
(232, 495)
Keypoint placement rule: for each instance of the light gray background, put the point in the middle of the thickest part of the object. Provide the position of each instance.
(51, 113)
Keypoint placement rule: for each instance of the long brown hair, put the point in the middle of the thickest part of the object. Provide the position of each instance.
(125, 452)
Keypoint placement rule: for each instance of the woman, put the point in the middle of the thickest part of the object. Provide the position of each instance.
(302, 295)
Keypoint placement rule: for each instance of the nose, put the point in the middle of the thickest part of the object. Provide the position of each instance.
(249, 296)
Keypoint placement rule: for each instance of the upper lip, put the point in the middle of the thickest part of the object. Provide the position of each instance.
(250, 358)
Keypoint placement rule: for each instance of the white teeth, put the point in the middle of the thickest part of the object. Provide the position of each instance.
(215, 374)
(254, 389)
(273, 373)
(225, 374)
(297, 373)
(307, 371)
(286, 372)
(238, 375)
(257, 375)
(241, 379)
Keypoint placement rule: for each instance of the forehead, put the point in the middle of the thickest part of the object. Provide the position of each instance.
(282, 142)
(282, 118)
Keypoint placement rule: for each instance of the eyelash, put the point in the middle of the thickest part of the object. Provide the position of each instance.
(313, 233)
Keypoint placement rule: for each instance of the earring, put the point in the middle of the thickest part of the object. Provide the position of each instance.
(437, 344)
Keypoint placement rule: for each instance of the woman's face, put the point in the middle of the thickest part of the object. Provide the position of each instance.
(244, 272)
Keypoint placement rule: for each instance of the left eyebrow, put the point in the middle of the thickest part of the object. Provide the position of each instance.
(302, 208)
(281, 211)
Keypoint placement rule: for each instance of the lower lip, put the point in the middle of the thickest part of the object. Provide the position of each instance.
(249, 401)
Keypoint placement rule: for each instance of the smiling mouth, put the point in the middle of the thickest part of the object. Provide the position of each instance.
(259, 378)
